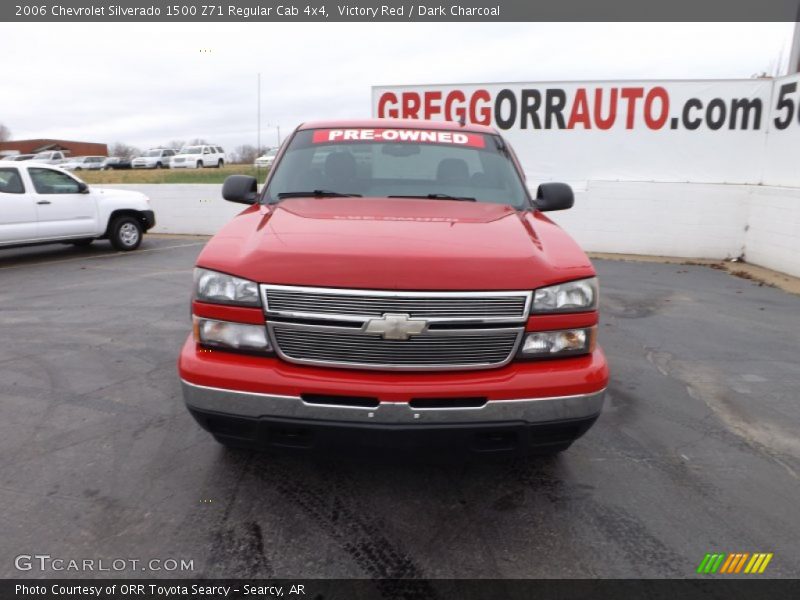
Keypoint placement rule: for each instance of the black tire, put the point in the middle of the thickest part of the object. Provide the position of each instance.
(159, 165)
(82, 243)
(126, 233)
(220, 163)
(199, 164)
(77, 168)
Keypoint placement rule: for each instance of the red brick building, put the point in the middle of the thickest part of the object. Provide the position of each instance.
(71, 147)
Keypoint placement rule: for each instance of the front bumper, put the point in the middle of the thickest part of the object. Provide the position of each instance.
(263, 401)
(186, 164)
(525, 410)
(148, 219)
(429, 439)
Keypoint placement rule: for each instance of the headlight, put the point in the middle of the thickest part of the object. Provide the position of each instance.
(544, 344)
(573, 296)
(224, 334)
(219, 288)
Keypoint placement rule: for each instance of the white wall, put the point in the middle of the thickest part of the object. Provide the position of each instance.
(761, 223)
(187, 208)
(669, 219)
(772, 238)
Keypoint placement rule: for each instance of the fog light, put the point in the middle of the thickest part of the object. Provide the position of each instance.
(225, 334)
(558, 343)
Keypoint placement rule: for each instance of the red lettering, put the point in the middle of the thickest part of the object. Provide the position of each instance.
(458, 113)
(432, 109)
(411, 105)
(608, 122)
(631, 95)
(658, 122)
(580, 111)
(387, 98)
(485, 111)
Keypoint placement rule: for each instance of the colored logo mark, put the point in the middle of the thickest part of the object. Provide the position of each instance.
(737, 562)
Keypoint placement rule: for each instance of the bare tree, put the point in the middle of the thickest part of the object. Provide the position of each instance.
(198, 142)
(5, 133)
(244, 154)
(124, 150)
(175, 144)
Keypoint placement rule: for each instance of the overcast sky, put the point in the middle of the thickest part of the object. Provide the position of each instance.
(146, 84)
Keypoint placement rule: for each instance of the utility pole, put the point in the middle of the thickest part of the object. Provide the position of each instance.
(258, 135)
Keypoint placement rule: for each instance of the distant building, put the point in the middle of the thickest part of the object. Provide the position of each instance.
(70, 147)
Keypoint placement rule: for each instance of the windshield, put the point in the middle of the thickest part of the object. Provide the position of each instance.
(410, 163)
(191, 150)
(153, 153)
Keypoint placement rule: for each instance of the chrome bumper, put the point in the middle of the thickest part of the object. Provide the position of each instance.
(528, 410)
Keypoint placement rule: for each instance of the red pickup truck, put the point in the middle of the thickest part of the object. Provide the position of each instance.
(394, 284)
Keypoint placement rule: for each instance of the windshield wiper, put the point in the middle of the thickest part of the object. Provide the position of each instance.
(316, 194)
(438, 197)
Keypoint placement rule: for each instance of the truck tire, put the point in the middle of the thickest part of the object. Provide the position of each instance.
(220, 163)
(126, 233)
(199, 164)
(159, 165)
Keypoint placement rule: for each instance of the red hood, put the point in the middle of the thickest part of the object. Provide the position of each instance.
(395, 244)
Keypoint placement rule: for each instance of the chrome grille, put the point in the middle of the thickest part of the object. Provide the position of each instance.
(348, 346)
(360, 305)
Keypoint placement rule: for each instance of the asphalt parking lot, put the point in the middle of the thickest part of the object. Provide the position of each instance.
(696, 451)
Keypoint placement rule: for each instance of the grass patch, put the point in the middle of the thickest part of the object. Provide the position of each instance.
(171, 175)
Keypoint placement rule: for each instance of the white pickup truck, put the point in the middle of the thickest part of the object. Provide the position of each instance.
(50, 157)
(43, 204)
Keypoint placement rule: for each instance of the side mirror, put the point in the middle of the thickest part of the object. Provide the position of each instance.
(240, 188)
(83, 188)
(554, 196)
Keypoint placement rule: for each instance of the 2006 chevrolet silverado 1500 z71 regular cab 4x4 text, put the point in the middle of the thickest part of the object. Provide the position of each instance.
(394, 284)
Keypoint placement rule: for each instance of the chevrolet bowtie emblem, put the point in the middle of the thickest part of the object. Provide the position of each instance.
(395, 327)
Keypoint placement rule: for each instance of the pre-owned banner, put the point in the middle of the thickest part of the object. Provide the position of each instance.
(676, 131)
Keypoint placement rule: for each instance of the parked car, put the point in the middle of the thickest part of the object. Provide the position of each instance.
(18, 157)
(195, 157)
(155, 158)
(116, 162)
(266, 159)
(80, 163)
(50, 157)
(43, 204)
(394, 283)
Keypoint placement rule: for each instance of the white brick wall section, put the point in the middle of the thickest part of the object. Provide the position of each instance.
(668, 219)
(772, 238)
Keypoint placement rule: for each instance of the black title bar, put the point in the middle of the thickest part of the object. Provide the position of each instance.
(738, 588)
